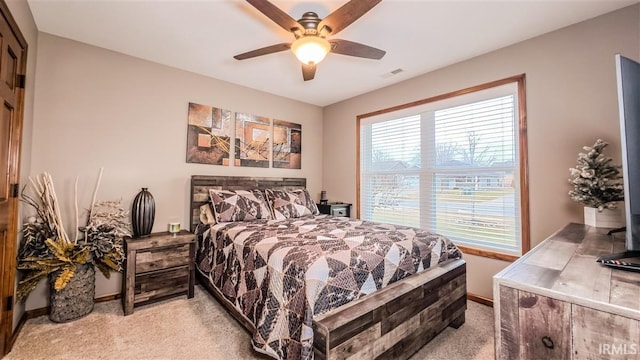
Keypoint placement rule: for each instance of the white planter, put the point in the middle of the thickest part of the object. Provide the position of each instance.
(606, 218)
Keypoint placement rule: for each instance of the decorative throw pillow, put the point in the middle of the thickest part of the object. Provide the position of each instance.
(290, 204)
(239, 205)
(206, 214)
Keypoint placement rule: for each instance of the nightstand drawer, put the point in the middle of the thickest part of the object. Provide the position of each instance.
(162, 258)
(161, 283)
(339, 211)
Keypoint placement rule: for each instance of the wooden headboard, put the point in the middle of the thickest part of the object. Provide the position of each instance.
(200, 185)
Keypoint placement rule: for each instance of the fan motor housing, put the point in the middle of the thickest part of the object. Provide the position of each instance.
(310, 21)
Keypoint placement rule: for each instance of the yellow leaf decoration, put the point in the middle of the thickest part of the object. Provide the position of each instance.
(59, 249)
(104, 269)
(25, 288)
(108, 262)
(65, 276)
(37, 275)
(82, 256)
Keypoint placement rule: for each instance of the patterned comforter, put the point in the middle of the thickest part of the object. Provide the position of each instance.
(279, 274)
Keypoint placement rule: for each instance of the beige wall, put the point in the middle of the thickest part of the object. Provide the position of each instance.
(22, 14)
(571, 101)
(97, 108)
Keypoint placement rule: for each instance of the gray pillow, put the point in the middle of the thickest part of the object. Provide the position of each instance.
(287, 204)
(239, 205)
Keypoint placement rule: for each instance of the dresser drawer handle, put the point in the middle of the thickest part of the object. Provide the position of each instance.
(547, 342)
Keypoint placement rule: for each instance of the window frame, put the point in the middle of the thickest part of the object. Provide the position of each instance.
(522, 156)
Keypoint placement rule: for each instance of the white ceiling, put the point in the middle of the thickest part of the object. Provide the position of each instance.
(202, 36)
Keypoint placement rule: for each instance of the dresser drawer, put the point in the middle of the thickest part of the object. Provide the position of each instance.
(162, 258)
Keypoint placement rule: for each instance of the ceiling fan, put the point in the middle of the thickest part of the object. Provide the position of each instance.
(311, 44)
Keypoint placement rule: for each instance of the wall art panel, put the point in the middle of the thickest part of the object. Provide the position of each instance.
(252, 140)
(208, 135)
(287, 145)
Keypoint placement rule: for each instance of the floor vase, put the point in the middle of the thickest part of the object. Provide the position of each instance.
(75, 300)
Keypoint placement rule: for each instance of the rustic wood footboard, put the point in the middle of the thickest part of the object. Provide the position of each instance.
(395, 322)
(392, 323)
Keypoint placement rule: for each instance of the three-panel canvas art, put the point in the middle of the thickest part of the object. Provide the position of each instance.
(257, 141)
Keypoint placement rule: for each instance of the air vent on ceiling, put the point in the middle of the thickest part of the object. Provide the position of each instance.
(392, 72)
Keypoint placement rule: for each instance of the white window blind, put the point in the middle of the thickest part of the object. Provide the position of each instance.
(450, 166)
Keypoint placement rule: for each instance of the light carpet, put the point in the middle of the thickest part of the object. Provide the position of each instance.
(200, 328)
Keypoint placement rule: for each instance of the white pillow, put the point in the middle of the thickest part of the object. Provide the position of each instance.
(206, 215)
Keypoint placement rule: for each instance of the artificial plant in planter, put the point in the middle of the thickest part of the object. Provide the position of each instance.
(48, 251)
(597, 184)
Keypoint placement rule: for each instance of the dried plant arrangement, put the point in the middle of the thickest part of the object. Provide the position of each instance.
(47, 248)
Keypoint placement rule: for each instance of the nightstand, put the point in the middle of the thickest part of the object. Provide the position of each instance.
(157, 267)
(335, 209)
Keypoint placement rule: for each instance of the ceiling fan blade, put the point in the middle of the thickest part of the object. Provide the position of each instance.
(308, 71)
(275, 14)
(347, 14)
(351, 48)
(263, 51)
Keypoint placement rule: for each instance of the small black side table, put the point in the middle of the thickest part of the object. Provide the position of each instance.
(335, 209)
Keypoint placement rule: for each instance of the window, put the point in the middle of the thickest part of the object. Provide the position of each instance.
(454, 164)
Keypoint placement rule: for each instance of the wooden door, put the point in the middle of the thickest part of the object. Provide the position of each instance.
(13, 50)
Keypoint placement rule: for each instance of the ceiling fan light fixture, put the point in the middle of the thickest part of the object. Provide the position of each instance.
(310, 49)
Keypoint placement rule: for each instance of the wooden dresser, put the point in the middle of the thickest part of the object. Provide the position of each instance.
(556, 302)
(158, 266)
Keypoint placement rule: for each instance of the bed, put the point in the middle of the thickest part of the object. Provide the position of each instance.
(420, 298)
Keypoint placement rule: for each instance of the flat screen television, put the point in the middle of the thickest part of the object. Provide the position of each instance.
(628, 80)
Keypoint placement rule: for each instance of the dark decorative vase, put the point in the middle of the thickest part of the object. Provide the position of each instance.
(143, 213)
(76, 299)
